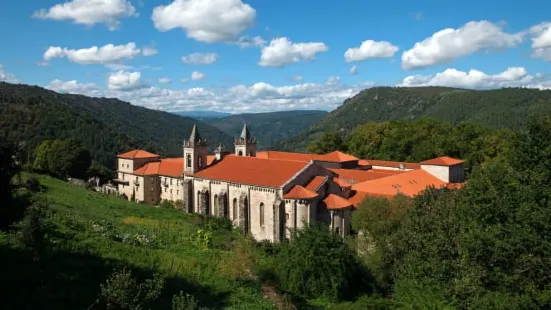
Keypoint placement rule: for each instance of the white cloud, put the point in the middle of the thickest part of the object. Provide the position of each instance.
(73, 87)
(6, 76)
(245, 42)
(149, 51)
(164, 80)
(125, 81)
(449, 44)
(90, 12)
(282, 52)
(259, 97)
(196, 76)
(200, 58)
(205, 20)
(541, 41)
(353, 70)
(332, 80)
(184, 80)
(370, 49)
(297, 78)
(475, 79)
(107, 54)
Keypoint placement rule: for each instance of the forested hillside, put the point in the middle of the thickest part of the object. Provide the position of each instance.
(270, 127)
(507, 107)
(31, 114)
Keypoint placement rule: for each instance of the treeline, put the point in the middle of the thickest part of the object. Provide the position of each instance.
(418, 140)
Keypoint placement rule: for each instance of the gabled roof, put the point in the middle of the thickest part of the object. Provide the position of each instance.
(409, 183)
(315, 183)
(335, 157)
(442, 161)
(334, 202)
(252, 171)
(134, 154)
(299, 192)
(393, 164)
(171, 167)
(352, 176)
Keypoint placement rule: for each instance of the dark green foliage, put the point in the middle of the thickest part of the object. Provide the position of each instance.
(103, 126)
(270, 127)
(318, 263)
(507, 107)
(329, 142)
(62, 158)
(420, 139)
(122, 292)
(184, 302)
(34, 228)
(12, 205)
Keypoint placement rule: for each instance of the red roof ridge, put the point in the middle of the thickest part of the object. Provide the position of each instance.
(300, 192)
(333, 202)
(137, 154)
(442, 161)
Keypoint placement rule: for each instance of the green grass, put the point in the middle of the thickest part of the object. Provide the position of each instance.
(93, 233)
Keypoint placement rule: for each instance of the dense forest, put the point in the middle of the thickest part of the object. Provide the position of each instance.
(506, 107)
(106, 127)
(270, 127)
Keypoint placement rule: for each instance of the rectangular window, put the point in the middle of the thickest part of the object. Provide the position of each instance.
(171, 190)
(170, 181)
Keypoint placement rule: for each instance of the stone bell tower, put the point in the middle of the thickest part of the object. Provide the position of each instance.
(195, 152)
(245, 145)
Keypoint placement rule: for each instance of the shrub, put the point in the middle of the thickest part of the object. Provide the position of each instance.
(122, 291)
(184, 302)
(34, 227)
(318, 263)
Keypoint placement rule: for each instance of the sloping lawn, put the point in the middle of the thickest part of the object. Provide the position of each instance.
(92, 234)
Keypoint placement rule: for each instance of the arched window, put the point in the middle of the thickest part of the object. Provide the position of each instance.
(200, 161)
(261, 214)
(188, 160)
(234, 215)
(240, 153)
(215, 205)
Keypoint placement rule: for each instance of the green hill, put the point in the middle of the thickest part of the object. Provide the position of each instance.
(32, 114)
(506, 107)
(270, 127)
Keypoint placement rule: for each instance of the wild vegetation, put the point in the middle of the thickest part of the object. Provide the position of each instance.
(418, 140)
(30, 115)
(498, 108)
(269, 127)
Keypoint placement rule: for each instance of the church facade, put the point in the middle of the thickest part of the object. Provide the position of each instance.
(268, 193)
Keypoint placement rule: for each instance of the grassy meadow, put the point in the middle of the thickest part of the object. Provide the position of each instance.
(91, 234)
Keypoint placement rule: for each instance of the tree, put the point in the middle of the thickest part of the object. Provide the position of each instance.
(329, 142)
(11, 208)
(62, 158)
(318, 263)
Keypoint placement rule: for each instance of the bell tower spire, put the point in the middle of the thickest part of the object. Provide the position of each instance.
(195, 152)
(245, 144)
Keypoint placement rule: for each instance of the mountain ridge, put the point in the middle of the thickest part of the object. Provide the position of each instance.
(504, 107)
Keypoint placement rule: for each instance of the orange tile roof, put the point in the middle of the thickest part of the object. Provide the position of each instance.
(393, 164)
(137, 154)
(409, 183)
(342, 183)
(210, 159)
(363, 162)
(442, 161)
(315, 183)
(354, 176)
(148, 169)
(252, 171)
(336, 202)
(336, 156)
(172, 167)
(299, 192)
(357, 197)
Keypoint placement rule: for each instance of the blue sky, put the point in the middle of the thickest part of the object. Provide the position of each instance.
(300, 54)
